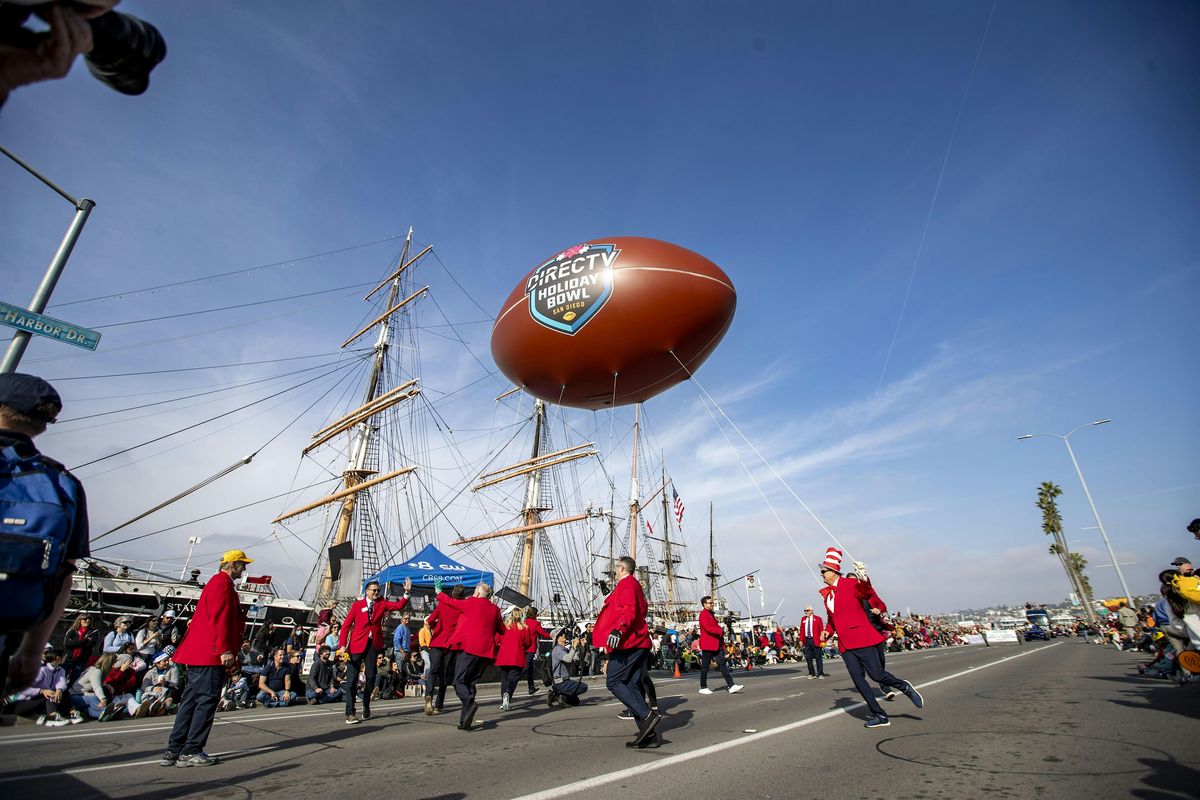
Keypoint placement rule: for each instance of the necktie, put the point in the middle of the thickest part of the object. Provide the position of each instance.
(369, 606)
(808, 627)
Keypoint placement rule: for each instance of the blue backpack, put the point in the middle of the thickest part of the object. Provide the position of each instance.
(38, 505)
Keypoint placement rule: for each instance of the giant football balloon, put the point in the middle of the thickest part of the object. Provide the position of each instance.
(608, 321)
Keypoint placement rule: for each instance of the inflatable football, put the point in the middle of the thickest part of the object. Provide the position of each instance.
(603, 322)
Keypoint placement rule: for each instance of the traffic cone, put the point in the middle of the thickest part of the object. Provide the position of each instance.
(678, 674)
(749, 662)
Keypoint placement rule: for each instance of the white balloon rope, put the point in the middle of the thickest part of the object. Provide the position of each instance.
(750, 475)
(768, 465)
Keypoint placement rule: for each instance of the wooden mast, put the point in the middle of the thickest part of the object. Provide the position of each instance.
(354, 472)
(712, 564)
(532, 512)
(668, 561)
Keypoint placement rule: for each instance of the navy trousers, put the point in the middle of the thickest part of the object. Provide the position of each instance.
(626, 675)
(441, 672)
(467, 673)
(719, 655)
(364, 661)
(194, 720)
(814, 652)
(863, 662)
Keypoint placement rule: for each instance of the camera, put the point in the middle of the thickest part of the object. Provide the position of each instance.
(125, 49)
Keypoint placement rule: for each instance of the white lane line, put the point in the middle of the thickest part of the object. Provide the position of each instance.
(125, 764)
(932, 656)
(58, 737)
(670, 761)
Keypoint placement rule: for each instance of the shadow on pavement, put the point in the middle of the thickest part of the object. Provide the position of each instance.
(1168, 780)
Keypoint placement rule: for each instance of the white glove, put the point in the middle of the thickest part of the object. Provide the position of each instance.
(860, 569)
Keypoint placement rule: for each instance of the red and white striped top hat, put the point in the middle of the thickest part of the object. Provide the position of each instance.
(833, 560)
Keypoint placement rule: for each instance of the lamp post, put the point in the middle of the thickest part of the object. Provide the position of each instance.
(192, 542)
(1066, 439)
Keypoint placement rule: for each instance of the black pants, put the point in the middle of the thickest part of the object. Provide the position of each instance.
(39, 704)
(863, 662)
(194, 720)
(719, 655)
(357, 661)
(467, 672)
(441, 673)
(509, 678)
(814, 652)
(530, 662)
(626, 679)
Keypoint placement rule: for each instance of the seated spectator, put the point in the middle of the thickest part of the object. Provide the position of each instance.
(295, 658)
(149, 640)
(172, 628)
(122, 684)
(385, 685)
(118, 637)
(322, 680)
(89, 694)
(331, 639)
(565, 690)
(236, 693)
(47, 697)
(297, 640)
(160, 688)
(275, 682)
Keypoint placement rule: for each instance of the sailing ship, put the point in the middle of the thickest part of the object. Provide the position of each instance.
(381, 503)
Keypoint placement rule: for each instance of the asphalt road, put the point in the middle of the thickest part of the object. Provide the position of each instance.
(1058, 720)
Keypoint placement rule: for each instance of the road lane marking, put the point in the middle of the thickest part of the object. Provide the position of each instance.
(123, 764)
(27, 738)
(669, 761)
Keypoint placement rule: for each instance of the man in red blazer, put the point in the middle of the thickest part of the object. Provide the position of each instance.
(621, 630)
(362, 637)
(443, 650)
(208, 647)
(479, 624)
(812, 630)
(858, 639)
(712, 645)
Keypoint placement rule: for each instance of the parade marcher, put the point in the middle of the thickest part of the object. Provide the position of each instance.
(45, 527)
(479, 623)
(812, 629)
(858, 639)
(208, 647)
(443, 650)
(531, 652)
(362, 637)
(621, 630)
(712, 646)
(510, 657)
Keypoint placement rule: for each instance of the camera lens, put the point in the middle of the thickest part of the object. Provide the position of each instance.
(125, 49)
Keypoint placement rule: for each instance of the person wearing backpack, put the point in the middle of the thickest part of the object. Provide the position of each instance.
(43, 527)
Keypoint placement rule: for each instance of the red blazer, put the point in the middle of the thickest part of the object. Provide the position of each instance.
(624, 611)
(847, 618)
(712, 636)
(358, 628)
(216, 627)
(444, 621)
(538, 631)
(513, 645)
(818, 627)
(478, 625)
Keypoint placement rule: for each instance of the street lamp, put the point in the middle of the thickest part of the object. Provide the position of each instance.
(1066, 439)
(192, 542)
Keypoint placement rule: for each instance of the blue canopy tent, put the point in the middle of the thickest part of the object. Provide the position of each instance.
(430, 564)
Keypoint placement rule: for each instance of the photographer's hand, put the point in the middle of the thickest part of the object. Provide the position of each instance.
(69, 35)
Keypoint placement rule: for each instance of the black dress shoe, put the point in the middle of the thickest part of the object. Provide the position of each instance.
(469, 719)
(646, 728)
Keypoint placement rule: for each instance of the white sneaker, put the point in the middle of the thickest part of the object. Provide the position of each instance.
(706, 690)
(41, 720)
(737, 687)
(56, 721)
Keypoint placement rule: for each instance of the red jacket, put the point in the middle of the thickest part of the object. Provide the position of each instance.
(624, 611)
(358, 628)
(712, 636)
(513, 645)
(444, 621)
(818, 627)
(538, 631)
(478, 624)
(847, 618)
(216, 627)
(777, 638)
(121, 681)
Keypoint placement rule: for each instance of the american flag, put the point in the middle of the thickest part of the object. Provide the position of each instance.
(678, 506)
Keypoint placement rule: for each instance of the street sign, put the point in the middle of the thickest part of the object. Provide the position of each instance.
(19, 318)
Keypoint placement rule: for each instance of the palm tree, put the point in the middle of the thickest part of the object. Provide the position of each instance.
(1052, 527)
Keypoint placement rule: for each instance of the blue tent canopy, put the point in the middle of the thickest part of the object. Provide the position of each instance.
(429, 564)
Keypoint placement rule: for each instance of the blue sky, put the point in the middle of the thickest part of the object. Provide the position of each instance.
(797, 145)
